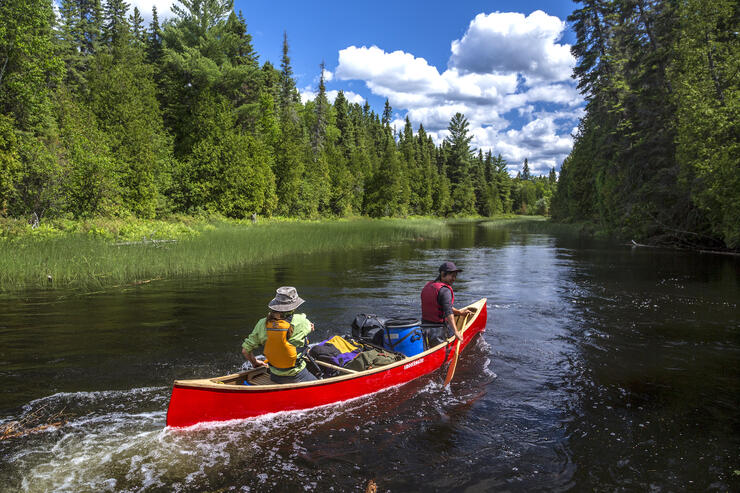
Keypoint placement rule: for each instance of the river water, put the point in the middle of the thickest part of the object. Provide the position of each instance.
(602, 368)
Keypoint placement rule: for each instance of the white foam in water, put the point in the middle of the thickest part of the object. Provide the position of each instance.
(110, 449)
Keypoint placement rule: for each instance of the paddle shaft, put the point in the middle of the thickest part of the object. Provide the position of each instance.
(453, 363)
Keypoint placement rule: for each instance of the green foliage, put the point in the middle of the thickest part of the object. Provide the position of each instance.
(9, 162)
(656, 155)
(90, 184)
(123, 96)
(28, 67)
(708, 112)
(226, 172)
(103, 117)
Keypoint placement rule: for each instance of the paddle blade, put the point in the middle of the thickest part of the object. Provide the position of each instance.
(453, 364)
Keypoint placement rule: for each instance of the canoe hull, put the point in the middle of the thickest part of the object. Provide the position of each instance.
(197, 401)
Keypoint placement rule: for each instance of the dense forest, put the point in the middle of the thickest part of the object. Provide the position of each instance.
(101, 115)
(656, 156)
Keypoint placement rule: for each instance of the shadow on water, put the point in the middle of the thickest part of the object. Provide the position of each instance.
(602, 367)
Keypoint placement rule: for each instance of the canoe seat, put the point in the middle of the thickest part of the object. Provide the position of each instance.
(260, 378)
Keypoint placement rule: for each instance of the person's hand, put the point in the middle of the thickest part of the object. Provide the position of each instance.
(312, 327)
(458, 336)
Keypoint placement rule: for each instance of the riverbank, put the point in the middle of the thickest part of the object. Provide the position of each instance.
(543, 224)
(88, 255)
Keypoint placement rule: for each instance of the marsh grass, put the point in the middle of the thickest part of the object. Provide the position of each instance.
(87, 261)
(542, 224)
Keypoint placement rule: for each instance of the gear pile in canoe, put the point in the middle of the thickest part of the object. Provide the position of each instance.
(251, 393)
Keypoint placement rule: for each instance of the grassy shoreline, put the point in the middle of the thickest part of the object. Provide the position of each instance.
(543, 224)
(101, 253)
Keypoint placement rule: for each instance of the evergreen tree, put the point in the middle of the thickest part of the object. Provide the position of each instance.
(288, 93)
(385, 188)
(387, 114)
(137, 27)
(458, 165)
(70, 43)
(154, 40)
(89, 182)
(205, 53)
(318, 133)
(526, 175)
(116, 28)
(427, 172)
(123, 96)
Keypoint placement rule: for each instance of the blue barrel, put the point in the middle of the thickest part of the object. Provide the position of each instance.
(404, 336)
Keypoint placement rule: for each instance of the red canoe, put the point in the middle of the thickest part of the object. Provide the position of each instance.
(224, 398)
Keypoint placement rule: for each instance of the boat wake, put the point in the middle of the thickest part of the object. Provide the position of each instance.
(116, 440)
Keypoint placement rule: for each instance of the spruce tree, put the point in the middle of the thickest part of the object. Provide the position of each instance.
(526, 175)
(115, 25)
(137, 27)
(458, 165)
(288, 93)
(318, 133)
(387, 114)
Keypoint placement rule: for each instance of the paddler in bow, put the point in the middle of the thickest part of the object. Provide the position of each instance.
(284, 335)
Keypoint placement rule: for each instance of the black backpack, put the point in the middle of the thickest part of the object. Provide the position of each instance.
(368, 327)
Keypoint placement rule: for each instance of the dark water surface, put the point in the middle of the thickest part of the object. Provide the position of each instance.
(603, 368)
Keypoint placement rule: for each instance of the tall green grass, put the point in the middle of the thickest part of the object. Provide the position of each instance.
(90, 261)
(541, 224)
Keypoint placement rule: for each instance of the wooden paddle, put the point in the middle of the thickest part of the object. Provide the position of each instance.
(453, 363)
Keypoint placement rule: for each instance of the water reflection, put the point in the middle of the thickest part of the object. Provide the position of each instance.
(603, 367)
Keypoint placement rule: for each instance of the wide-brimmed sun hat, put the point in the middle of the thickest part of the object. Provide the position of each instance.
(286, 300)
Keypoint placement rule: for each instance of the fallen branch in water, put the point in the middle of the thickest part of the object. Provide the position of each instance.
(33, 423)
(717, 252)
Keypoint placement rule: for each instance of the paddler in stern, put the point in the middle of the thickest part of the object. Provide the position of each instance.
(284, 335)
(437, 299)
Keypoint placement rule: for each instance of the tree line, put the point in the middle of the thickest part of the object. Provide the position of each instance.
(102, 115)
(656, 156)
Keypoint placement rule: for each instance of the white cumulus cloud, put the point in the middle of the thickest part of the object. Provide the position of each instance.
(508, 75)
(145, 7)
(510, 42)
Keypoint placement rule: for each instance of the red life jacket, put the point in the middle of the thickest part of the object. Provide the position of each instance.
(431, 310)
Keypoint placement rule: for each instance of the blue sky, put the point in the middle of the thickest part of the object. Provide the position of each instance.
(504, 64)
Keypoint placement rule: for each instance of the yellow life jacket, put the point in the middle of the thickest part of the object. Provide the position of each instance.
(280, 353)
